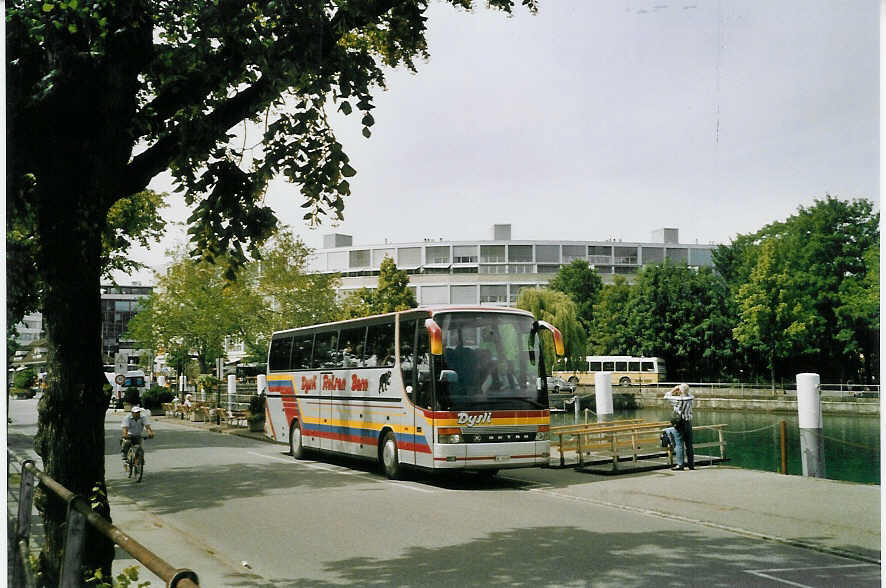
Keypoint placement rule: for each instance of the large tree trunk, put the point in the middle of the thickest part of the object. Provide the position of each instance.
(71, 436)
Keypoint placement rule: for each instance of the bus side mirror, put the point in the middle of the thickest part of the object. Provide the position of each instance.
(448, 377)
(559, 346)
(436, 335)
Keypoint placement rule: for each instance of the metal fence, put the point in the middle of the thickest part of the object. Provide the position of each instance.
(80, 516)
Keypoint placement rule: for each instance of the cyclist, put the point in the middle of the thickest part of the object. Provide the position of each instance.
(134, 426)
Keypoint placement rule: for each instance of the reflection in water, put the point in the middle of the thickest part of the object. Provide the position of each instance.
(851, 444)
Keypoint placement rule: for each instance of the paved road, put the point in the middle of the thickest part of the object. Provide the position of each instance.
(212, 502)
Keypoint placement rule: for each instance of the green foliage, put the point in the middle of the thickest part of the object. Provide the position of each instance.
(125, 579)
(391, 295)
(25, 379)
(813, 270)
(582, 284)
(672, 312)
(155, 396)
(559, 310)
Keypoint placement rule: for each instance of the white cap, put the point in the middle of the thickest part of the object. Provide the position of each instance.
(136, 409)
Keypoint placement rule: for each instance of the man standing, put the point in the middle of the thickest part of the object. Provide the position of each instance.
(681, 399)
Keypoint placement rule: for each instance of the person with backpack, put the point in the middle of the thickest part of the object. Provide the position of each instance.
(680, 430)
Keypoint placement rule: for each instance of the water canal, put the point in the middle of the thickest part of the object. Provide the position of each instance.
(851, 444)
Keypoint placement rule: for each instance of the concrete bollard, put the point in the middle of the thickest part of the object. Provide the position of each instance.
(603, 392)
(262, 384)
(809, 413)
(232, 391)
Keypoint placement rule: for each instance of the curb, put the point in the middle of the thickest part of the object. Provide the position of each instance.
(213, 428)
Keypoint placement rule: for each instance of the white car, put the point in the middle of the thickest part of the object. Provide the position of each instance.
(557, 384)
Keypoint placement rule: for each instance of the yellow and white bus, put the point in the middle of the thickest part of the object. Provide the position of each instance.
(433, 388)
(626, 370)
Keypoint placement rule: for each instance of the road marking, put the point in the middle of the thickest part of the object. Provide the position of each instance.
(763, 574)
(343, 472)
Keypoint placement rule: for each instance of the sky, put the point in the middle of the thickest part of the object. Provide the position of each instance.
(603, 119)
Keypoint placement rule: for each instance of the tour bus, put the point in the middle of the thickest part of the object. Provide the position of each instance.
(626, 370)
(449, 387)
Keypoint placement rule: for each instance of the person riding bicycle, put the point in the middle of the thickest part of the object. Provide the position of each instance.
(134, 426)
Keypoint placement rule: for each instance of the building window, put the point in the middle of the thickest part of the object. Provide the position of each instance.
(516, 289)
(519, 252)
(678, 255)
(573, 252)
(652, 255)
(358, 258)
(494, 294)
(378, 255)
(437, 254)
(464, 294)
(626, 255)
(493, 269)
(409, 257)
(464, 254)
(492, 253)
(435, 294)
(625, 270)
(548, 269)
(547, 253)
(435, 270)
(520, 268)
(701, 257)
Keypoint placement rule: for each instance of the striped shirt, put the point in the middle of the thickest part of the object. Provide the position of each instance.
(682, 404)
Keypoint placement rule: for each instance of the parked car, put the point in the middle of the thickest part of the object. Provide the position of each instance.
(557, 384)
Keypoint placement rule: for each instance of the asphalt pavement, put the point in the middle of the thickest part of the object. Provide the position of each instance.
(777, 530)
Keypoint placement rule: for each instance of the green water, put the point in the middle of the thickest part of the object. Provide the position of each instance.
(851, 444)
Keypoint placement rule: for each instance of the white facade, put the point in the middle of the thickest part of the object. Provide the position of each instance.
(494, 271)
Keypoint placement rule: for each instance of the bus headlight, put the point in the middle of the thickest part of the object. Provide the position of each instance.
(449, 435)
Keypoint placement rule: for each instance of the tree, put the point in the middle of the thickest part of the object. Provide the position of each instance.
(559, 310)
(822, 253)
(582, 283)
(608, 334)
(102, 96)
(771, 318)
(391, 295)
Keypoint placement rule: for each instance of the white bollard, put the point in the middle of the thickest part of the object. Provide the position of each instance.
(603, 392)
(161, 381)
(232, 391)
(262, 384)
(809, 413)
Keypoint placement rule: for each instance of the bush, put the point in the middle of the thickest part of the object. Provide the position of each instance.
(24, 379)
(155, 397)
(257, 405)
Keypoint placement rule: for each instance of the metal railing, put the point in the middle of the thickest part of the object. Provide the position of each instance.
(79, 517)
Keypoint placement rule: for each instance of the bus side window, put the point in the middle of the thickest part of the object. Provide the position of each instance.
(380, 345)
(407, 355)
(351, 345)
(634, 366)
(647, 366)
(325, 354)
(302, 346)
(278, 357)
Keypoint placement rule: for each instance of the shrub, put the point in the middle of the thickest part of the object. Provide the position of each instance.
(257, 405)
(155, 397)
(25, 379)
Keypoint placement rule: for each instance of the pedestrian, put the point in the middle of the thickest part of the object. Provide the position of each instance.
(680, 430)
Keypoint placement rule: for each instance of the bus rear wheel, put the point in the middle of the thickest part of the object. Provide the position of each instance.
(624, 381)
(389, 457)
(573, 380)
(296, 449)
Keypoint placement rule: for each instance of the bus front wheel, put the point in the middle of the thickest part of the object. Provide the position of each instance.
(624, 381)
(296, 449)
(573, 380)
(390, 460)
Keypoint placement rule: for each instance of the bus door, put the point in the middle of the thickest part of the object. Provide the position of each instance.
(324, 360)
(415, 367)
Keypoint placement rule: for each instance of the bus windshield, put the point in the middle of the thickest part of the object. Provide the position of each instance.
(487, 363)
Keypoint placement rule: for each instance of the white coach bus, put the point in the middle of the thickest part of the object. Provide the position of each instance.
(432, 387)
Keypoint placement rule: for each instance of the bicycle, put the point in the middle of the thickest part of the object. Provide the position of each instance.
(135, 459)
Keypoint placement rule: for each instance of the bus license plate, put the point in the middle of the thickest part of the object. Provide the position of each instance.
(502, 457)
